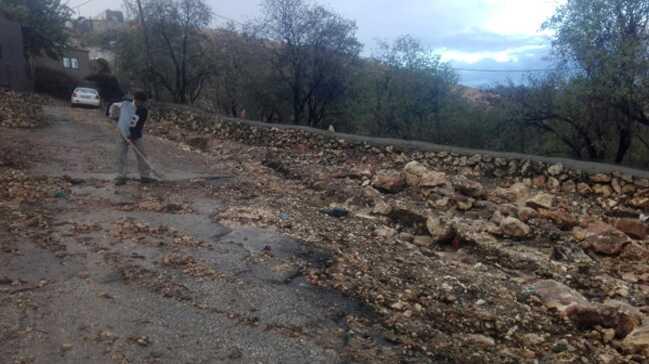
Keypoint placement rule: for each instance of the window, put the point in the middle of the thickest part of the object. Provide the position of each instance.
(71, 63)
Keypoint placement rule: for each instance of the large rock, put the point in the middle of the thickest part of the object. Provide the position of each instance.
(584, 189)
(382, 208)
(562, 218)
(389, 181)
(637, 341)
(555, 170)
(463, 203)
(440, 230)
(525, 214)
(642, 182)
(590, 316)
(413, 172)
(385, 232)
(568, 187)
(592, 228)
(407, 217)
(418, 176)
(629, 189)
(634, 252)
(433, 179)
(585, 315)
(468, 187)
(615, 184)
(639, 202)
(601, 178)
(557, 296)
(539, 181)
(603, 190)
(513, 227)
(633, 312)
(541, 201)
(553, 184)
(514, 193)
(633, 228)
(606, 244)
(604, 239)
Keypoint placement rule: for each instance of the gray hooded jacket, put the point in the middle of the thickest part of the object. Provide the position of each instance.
(126, 115)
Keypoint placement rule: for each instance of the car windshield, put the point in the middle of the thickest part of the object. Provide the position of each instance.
(86, 91)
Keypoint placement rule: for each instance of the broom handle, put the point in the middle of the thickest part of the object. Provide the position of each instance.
(141, 155)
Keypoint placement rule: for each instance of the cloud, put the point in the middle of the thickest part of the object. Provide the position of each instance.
(518, 16)
(478, 41)
(510, 55)
(473, 74)
(470, 33)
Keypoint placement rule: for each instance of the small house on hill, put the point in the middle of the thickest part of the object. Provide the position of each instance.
(75, 63)
(14, 70)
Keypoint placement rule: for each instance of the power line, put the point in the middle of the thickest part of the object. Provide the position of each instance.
(502, 70)
(225, 18)
(82, 4)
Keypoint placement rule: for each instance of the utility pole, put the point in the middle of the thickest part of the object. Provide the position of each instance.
(147, 46)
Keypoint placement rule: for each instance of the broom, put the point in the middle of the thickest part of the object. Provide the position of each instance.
(151, 168)
(112, 115)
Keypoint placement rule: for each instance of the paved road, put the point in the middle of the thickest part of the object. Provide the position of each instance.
(140, 284)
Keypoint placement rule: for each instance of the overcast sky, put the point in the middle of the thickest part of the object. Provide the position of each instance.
(471, 34)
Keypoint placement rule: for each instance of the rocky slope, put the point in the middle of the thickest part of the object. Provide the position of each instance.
(463, 258)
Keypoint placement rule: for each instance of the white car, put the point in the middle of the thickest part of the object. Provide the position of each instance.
(85, 96)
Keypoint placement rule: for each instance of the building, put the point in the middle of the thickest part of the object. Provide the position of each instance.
(75, 63)
(115, 16)
(108, 20)
(14, 70)
(82, 25)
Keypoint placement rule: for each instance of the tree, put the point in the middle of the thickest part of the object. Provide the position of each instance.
(244, 81)
(43, 23)
(178, 37)
(606, 43)
(413, 88)
(561, 107)
(313, 53)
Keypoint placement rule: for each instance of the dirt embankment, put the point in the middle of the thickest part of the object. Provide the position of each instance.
(463, 257)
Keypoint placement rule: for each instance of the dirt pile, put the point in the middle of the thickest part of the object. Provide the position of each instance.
(541, 263)
(21, 110)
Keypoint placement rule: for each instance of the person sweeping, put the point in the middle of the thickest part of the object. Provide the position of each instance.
(132, 116)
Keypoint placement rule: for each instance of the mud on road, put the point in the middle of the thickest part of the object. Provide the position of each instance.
(147, 273)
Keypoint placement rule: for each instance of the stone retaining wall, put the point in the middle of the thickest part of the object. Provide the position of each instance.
(613, 184)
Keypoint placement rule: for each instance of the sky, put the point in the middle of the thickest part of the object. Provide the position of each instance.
(472, 35)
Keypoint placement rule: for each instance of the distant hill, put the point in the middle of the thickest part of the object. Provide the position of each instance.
(476, 95)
